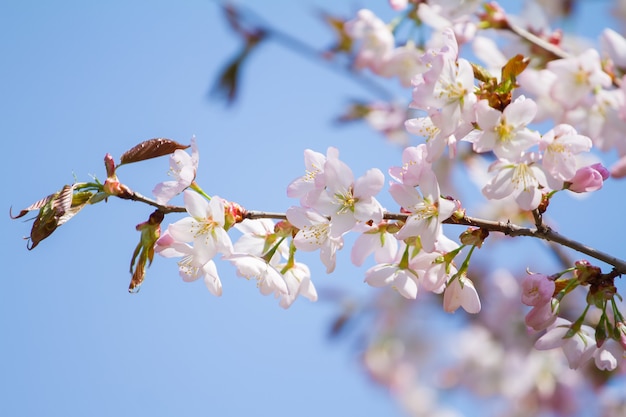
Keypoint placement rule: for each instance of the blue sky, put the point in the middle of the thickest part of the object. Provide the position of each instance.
(81, 79)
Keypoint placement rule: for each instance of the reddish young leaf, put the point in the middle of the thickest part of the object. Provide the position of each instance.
(48, 218)
(54, 210)
(514, 67)
(35, 206)
(152, 148)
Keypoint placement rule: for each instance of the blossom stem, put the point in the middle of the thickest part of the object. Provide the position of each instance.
(194, 186)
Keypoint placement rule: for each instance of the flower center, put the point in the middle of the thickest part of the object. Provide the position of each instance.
(317, 233)
(522, 175)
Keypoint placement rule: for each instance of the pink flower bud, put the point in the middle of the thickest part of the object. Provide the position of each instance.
(541, 316)
(109, 164)
(589, 178)
(537, 289)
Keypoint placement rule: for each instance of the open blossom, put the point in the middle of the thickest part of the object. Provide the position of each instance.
(414, 162)
(448, 86)
(258, 238)
(578, 349)
(521, 178)
(375, 240)
(269, 279)
(559, 146)
(461, 293)
(308, 187)
(505, 133)
(183, 168)
(189, 268)
(347, 201)
(204, 227)
(314, 234)
(402, 273)
(576, 77)
(434, 128)
(298, 280)
(426, 211)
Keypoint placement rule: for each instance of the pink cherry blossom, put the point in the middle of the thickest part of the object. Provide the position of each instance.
(314, 234)
(426, 211)
(189, 268)
(404, 280)
(310, 185)
(437, 273)
(183, 168)
(204, 227)
(461, 293)
(413, 164)
(269, 279)
(449, 87)
(559, 146)
(403, 273)
(522, 178)
(298, 280)
(435, 129)
(578, 349)
(347, 201)
(505, 133)
(374, 240)
(259, 237)
(537, 289)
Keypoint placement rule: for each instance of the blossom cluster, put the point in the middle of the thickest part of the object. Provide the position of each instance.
(462, 110)
(457, 106)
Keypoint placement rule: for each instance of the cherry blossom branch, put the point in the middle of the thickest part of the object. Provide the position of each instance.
(545, 233)
(509, 229)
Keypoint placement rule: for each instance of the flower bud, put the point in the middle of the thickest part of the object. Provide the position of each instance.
(589, 178)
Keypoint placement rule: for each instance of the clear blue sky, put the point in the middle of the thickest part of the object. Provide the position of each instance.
(80, 79)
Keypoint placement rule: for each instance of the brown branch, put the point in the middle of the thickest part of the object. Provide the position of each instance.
(509, 229)
(135, 196)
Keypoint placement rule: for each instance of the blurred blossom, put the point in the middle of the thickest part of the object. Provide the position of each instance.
(578, 348)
